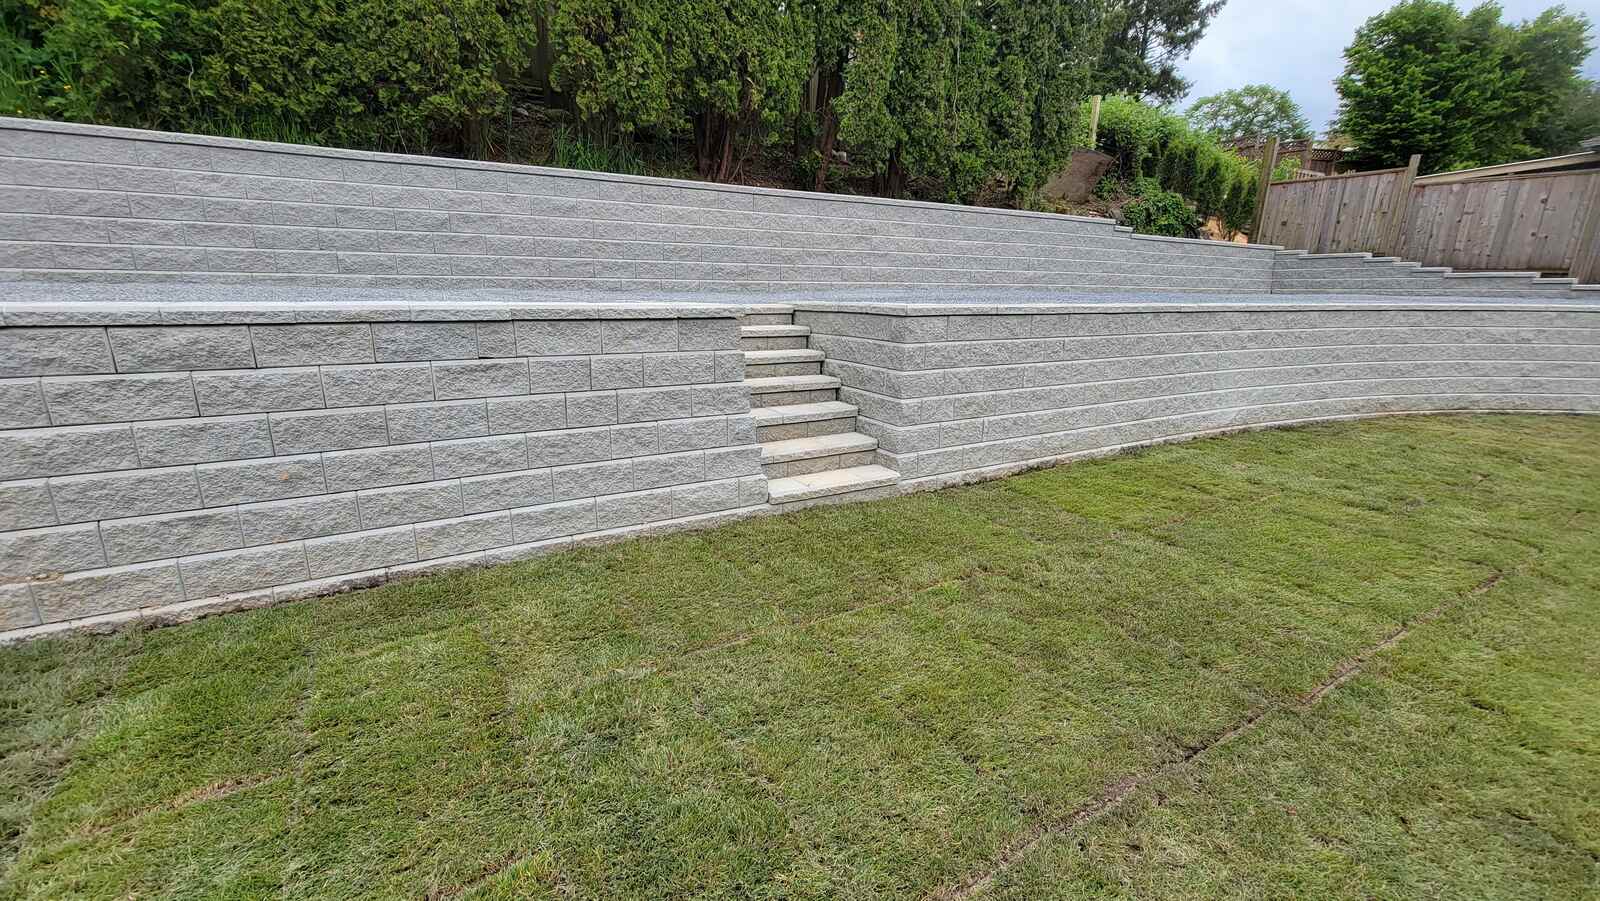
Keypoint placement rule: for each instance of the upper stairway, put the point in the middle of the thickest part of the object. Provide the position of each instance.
(1300, 272)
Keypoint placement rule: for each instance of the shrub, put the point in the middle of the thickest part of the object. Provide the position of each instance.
(1159, 212)
(1152, 143)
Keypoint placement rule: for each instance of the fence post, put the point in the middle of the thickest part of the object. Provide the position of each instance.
(1402, 205)
(1269, 161)
(1586, 262)
(1094, 122)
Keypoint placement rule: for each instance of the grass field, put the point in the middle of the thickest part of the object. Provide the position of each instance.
(1355, 660)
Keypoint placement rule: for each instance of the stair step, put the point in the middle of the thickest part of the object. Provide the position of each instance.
(826, 484)
(764, 357)
(774, 331)
(781, 383)
(820, 446)
(792, 413)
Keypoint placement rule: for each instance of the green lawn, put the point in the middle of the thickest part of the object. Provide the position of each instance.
(933, 695)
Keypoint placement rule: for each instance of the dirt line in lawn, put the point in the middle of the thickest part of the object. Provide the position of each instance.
(1123, 788)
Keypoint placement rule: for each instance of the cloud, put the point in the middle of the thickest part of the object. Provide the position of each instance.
(1299, 46)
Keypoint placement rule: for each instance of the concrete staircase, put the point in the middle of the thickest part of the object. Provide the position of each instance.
(810, 449)
(1299, 272)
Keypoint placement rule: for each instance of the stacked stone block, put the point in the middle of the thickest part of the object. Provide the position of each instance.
(279, 452)
(961, 392)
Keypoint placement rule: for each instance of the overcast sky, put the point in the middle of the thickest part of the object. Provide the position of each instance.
(1298, 45)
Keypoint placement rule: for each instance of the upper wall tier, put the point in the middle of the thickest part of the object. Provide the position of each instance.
(108, 204)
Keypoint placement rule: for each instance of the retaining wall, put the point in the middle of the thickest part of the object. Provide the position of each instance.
(184, 456)
(960, 392)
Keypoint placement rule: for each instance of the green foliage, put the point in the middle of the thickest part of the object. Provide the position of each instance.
(572, 150)
(1148, 142)
(1144, 42)
(1462, 89)
(1256, 111)
(1286, 167)
(1159, 212)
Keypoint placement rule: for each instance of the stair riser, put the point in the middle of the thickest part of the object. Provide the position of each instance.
(849, 497)
(767, 319)
(783, 398)
(818, 464)
(788, 342)
(816, 429)
(765, 370)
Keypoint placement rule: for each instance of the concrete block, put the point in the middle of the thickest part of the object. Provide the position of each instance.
(708, 497)
(527, 414)
(654, 403)
(553, 520)
(480, 494)
(553, 374)
(565, 447)
(208, 234)
(411, 341)
(181, 441)
(305, 517)
(708, 400)
(312, 344)
(61, 451)
(142, 538)
(477, 456)
(39, 553)
(409, 503)
(226, 572)
(97, 591)
(496, 339)
(732, 462)
(16, 607)
(625, 371)
(165, 348)
(708, 334)
(22, 404)
(378, 467)
(620, 336)
(380, 383)
(360, 551)
(330, 430)
(117, 494)
(590, 479)
(246, 481)
(89, 203)
(730, 365)
(679, 369)
(258, 390)
(487, 378)
(752, 491)
(591, 408)
(614, 511)
(462, 535)
(78, 399)
(556, 337)
(437, 421)
(26, 504)
(635, 439)
(693, 434)
(741, 430)
(666, 469)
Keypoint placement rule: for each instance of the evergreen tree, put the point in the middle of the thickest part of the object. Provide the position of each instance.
(1255, 111)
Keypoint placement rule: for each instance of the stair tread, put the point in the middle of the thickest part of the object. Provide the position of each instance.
(774, 331)
(793, 355)
(784, 414)
(775, 383)
(816, 446)
(831, 482)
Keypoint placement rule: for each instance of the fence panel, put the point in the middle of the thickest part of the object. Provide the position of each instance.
(1520, 222)
(1332, 214)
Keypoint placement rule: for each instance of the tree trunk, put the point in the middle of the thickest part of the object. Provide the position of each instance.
(831, 85)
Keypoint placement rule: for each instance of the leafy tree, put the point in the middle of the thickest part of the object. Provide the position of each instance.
(1255, 111)
(1145, 41)
(1462, 89)
(1575, 119)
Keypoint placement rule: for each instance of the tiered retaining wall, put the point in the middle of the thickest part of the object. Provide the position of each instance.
(955, 393)
(188, 456)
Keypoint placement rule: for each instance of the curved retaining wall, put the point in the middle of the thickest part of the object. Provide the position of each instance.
(181, 457)
(954, 393)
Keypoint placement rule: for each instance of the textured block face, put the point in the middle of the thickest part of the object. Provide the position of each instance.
(203, 441)
(359, 551)
(26, 504)
(556, 337)
(41, 553)
(409, 341)
(226, 572)
(409, 503)
(115, 495)
(437, 421)
(110, 590)
(383, 383)
(553, 520)
(247, 481)
(331, 430)
(118, 398)
(463, 535)
(377, 467)
(48, 451)
(258, 390)
(16, 606)
(307, 517)
(312, 344)
(54, 351)
(142, 538)
(481, 494)
(161, 348)
(480, 379)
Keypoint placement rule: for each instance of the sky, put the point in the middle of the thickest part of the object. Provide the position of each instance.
(1298, 45)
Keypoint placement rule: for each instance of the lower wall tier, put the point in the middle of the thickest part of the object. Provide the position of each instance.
(959, 393)
(162, 461)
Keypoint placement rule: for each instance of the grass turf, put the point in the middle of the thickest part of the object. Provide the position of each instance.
(885, 700)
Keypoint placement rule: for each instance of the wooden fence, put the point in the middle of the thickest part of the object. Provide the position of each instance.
(1532, 223)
